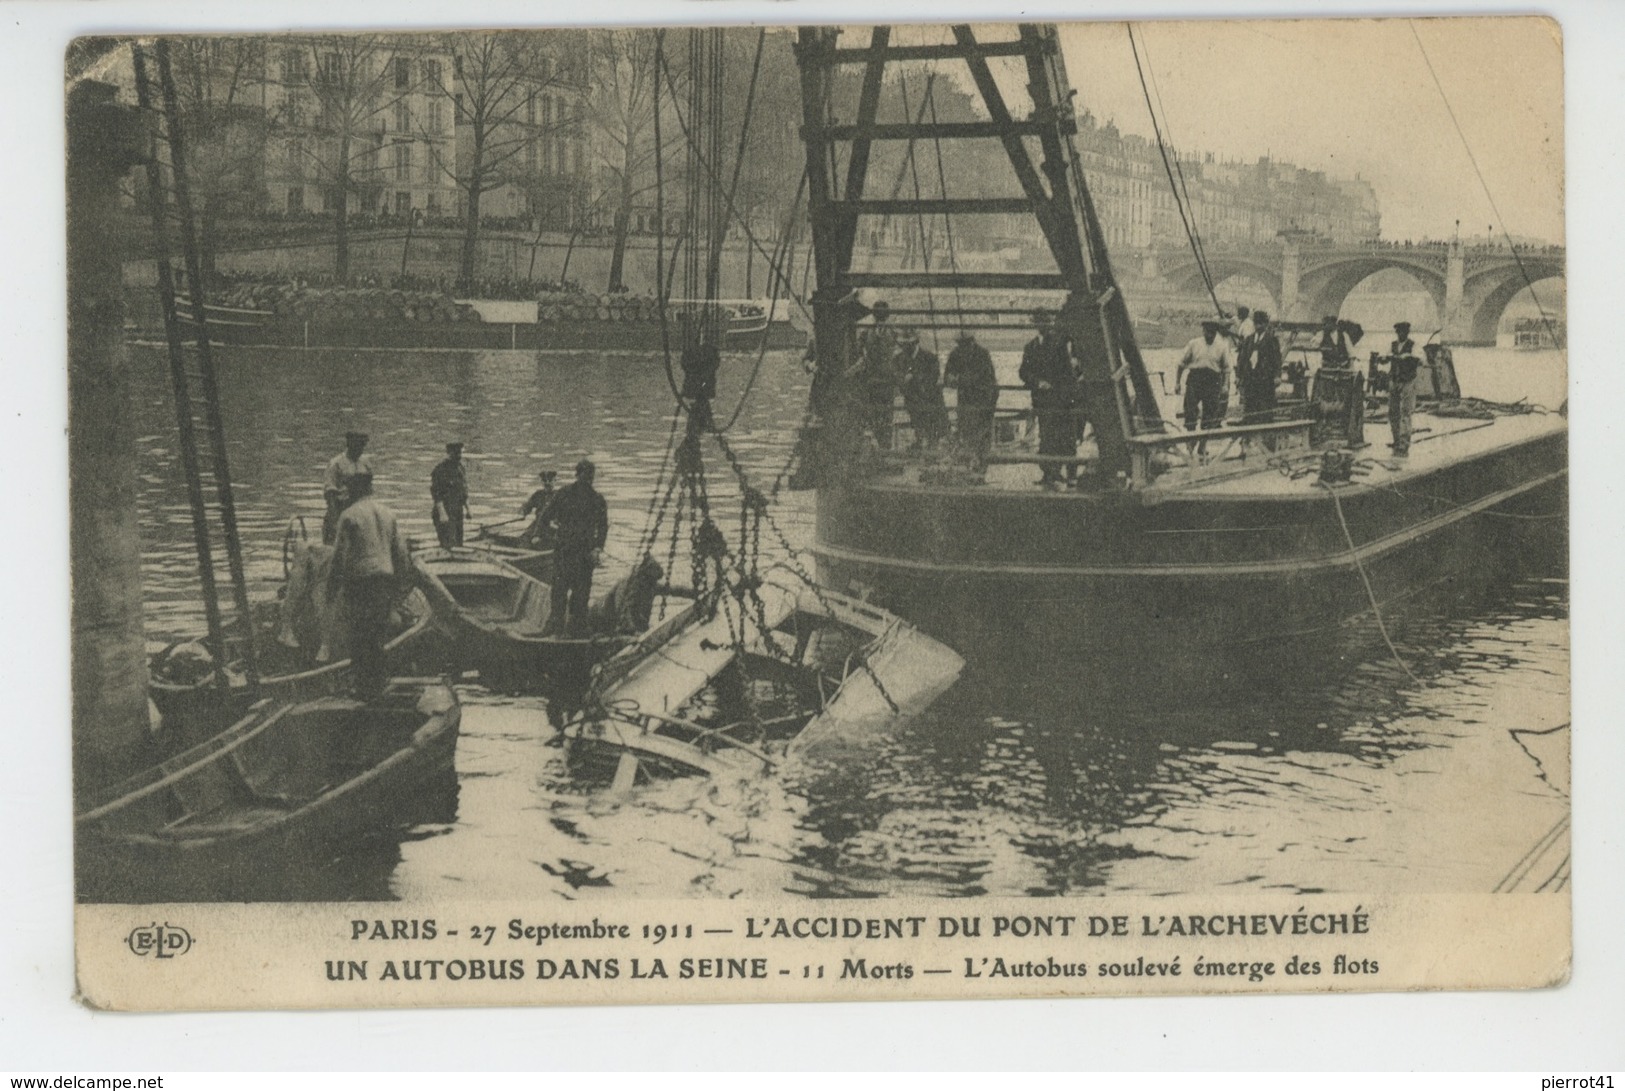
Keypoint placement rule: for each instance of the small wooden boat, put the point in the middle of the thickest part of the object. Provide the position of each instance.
(821, 669)
(193, 696)
(237, 814)
(517, 550)
(495, 618)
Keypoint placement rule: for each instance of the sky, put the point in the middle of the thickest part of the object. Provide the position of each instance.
(1355, 96)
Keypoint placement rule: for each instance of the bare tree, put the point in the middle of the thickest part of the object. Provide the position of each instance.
(225, 129)
(349, 75)
(623, 117)
(499, 83)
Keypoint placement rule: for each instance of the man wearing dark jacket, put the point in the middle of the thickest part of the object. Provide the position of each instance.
(448, 491)
(1258, 393)
(1046, 370)
(970, 371)
(582, 519)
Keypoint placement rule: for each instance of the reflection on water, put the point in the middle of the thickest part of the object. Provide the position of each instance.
(1358, 779)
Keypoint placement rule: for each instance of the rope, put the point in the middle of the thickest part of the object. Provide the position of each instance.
(919, 211)
(710, 170)
(773, 305)
(942, 185)
(1371, 596)
(1162, 148)
(1471, 158)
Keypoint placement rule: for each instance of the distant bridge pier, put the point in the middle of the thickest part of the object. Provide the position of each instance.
(1453, 317)
(1291, 265)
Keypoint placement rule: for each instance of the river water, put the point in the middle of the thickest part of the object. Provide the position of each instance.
(1361, 779)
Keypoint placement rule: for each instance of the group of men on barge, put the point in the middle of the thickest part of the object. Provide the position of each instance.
(1231, 373)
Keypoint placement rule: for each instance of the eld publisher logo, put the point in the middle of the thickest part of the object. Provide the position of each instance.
(159, 940)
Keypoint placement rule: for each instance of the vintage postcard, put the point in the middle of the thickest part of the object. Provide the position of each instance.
(811, 512)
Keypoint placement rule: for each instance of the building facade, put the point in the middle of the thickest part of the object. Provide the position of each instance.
(1229, 203)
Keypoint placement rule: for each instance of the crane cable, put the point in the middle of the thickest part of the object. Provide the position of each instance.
(942, 185)
(1162, 148)
(919, 209)
(1471, 158)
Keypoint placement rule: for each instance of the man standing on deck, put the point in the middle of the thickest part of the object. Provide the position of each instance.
(873, 373)
(1337, 341)
(970, 371)
(1241, 340)
(1209, 359)
(1046, 370)
(1261, 378)
(922, 391)
(582, 517)
(336, 480)
(1403, 364)
(448, 491)
(369, 569)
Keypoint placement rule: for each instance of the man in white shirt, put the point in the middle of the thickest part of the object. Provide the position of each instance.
(1209, 359)
(336, 480)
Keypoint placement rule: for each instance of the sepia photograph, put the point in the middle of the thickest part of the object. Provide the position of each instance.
(868, 510)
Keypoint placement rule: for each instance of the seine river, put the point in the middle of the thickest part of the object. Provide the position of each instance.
(1359, 779)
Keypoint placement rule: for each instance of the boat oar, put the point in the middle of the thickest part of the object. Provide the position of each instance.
(506, 522)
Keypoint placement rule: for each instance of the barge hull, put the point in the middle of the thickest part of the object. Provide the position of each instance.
(1136, 588)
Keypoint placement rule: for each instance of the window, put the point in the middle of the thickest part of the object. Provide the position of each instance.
(403, 72)
(403, 116)
(331, 68)
(431, 74)
(437, 116)
(403, 203)
(547, 111)
(530, 157)
(457, 64)
(530, 108)
(457, 106)
(431, 170)
(293, 72)
(547, 156)
(403, 162)
(296, 199)
(544, 68)
(294, 108)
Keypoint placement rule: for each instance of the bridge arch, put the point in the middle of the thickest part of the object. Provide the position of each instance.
(1323, 289)
(1488, 291)
(1186, 277)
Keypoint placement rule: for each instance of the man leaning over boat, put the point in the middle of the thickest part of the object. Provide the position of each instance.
(370, 569)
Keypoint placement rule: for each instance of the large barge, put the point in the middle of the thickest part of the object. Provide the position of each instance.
(1175, 554)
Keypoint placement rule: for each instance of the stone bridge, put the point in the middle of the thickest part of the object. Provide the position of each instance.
(1471, 286)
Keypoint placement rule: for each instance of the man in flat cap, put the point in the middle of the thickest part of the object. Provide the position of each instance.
(581, 515)
(1046, 370)
(921, 379)
(448, 491)
(874, 373)
(1337, 340)
(1258, 393)
(336, 480)
(970, 371)
(1209, 360)
(1404, 364)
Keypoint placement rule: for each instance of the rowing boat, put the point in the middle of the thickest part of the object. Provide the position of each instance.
(286, 674)
(286, 783)
(496, 618)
